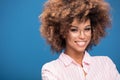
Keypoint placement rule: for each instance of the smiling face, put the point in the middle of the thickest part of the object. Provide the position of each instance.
(78, 36)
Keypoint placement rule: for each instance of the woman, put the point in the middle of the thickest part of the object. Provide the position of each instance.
(72, 27)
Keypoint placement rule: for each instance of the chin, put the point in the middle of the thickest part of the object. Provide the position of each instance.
(81, 50)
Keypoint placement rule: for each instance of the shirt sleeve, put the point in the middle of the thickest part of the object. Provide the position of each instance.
(118, 78)
(112, 69)
(47, 73)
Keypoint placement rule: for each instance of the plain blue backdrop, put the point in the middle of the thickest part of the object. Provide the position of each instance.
(22, 49)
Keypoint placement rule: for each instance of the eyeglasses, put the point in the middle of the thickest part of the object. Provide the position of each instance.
(85, 31)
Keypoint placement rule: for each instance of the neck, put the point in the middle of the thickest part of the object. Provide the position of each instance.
(77, 56)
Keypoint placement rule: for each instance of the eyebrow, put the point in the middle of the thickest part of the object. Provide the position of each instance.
(77, 26)
(74, 26)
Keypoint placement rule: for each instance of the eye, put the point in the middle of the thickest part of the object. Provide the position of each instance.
(88, 28)
(73, 29)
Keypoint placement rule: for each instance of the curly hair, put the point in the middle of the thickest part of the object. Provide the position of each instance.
(59, 14)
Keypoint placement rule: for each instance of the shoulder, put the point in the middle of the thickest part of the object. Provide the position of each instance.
(52, 66)
(101, 58)
(103, 61)
(49, 71)
(105, 65)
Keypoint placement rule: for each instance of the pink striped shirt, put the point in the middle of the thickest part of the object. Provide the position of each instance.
(65, 68)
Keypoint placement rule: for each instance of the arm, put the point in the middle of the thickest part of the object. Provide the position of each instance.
(112, 69)
(47, 73)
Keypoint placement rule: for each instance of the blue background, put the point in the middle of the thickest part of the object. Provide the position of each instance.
(22, 49)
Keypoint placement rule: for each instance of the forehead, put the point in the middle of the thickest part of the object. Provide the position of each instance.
(76, 22)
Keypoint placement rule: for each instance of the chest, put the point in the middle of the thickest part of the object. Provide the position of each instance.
(77, 73)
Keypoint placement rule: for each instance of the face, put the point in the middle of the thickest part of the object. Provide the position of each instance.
(78, 36)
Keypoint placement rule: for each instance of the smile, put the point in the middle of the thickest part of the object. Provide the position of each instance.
(81, 43)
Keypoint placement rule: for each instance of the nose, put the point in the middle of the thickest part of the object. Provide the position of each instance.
(82, 35)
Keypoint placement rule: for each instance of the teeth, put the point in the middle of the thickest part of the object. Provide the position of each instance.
(81, 43)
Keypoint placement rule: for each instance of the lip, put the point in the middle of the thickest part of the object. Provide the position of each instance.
(80, 43)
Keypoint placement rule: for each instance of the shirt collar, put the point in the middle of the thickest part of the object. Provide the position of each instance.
(86, 59)
(67, 60)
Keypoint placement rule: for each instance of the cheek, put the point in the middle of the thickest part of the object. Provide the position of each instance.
(72, 36)
(89, 36)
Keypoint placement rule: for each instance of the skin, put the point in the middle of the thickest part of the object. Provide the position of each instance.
(77, 39)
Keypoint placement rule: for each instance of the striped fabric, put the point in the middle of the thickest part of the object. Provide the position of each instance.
(95, 67)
